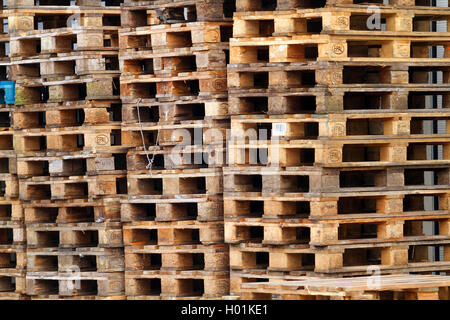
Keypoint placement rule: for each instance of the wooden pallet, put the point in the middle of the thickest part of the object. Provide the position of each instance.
(92, 87)
(332, 74)
(302, 70)
(6, 113)
(112, 163)
(72, 211)
(8, 186)
(181, 110)
(239, 277)
(75, 284)
(165, 38)
(252, 261)
(340, 99)
(328, 204)
(73, 187)
(68, 114)
(55, 4)
(270, 5)
(335, 232)
(57, 15)
(185, 108)
(12, 285)
(179, 258)
(65, 127)
(181, 134)
(207, 85)
(48, 67)
(12, 233)
(8, 162)
(179, 183)
(63, 40)
(69, 105)
(79, 235)
(332, 20)
(170, 158)
(258, 181)
(6, 145)
(395, 287)
(335, 154)
(170, 62)
(208, 208)
(334, 48)
(142, 13)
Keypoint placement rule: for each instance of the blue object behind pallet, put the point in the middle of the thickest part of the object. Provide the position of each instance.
(8, 92)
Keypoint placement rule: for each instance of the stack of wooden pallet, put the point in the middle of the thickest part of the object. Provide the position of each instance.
(71, 165)
(340, 164)
(12, 229)
(173, 58)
